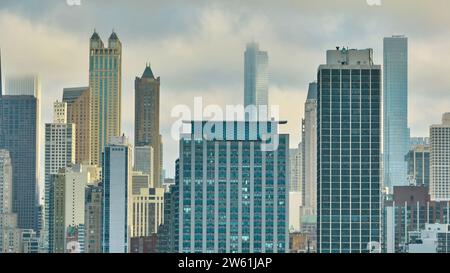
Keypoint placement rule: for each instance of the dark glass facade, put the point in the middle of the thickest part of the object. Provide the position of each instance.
(349, 139)
(18, 135)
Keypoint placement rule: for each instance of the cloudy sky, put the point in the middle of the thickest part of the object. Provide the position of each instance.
(196, 47)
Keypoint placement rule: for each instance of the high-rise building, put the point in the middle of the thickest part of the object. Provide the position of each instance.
(440, 160)
(117, 171)
(144, 162)
(295, 187)
(5, 192)
(409, 210)
(295, 162)
(1, 74)
(59, 153)
(418, 161)
(93, 221)
(396, 132)
(105, 84)
(232, 188)
(147, 100)
(256, 78)
(69, 207)
(147, 212)
(309, 148)
(78, 113)
(348, 142)
(19, 134)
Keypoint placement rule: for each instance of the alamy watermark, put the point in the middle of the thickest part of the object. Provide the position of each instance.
(213, 122)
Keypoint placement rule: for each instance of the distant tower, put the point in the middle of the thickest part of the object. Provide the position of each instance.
(117, 175)
(78, 113)
(440, 162)
(20, 108)
(147, 105)
(256, 90)
(105, 83)
(1, 75)
(396, 132)
(348, 156)
(59, 153)
(309, 192)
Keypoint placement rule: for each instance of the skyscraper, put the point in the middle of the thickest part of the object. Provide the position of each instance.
(78, 113)
(117, 171)
(19, 134)
(105, 83)
(256, 90)
(144, 162)
(69, 207)
(146, 130)
(418, 161)
(348, 142)
(5, 192)
(295, 177)
(309, 147)
(295, 187)
(231, 192)
(396, 132)
(59, 153)
(1, 74)
(93, 221)
(440, 161)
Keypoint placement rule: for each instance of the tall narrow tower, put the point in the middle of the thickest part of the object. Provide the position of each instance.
(1, 75)
(256, 90)
(348, 143)
(105, 83)
(396, 132)
(147, 119)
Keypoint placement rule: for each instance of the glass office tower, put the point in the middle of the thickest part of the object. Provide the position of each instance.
(19, 129)
(396, 132)
(232, 192)
(256, 78)
(349, 136)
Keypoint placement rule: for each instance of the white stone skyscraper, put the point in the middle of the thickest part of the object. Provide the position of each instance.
(440, 160)
(395, 99)
(256, 77)
(5, 192)
(309, 145)
(59, 153)
(105, 83)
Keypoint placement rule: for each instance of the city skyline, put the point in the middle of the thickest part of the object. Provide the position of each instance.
(154, 154)
(295, 50)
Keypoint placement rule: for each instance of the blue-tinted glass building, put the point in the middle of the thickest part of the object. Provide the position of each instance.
(396, 132)
(232, 189)
(349, 139)
(116, 175)
(19, 135)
